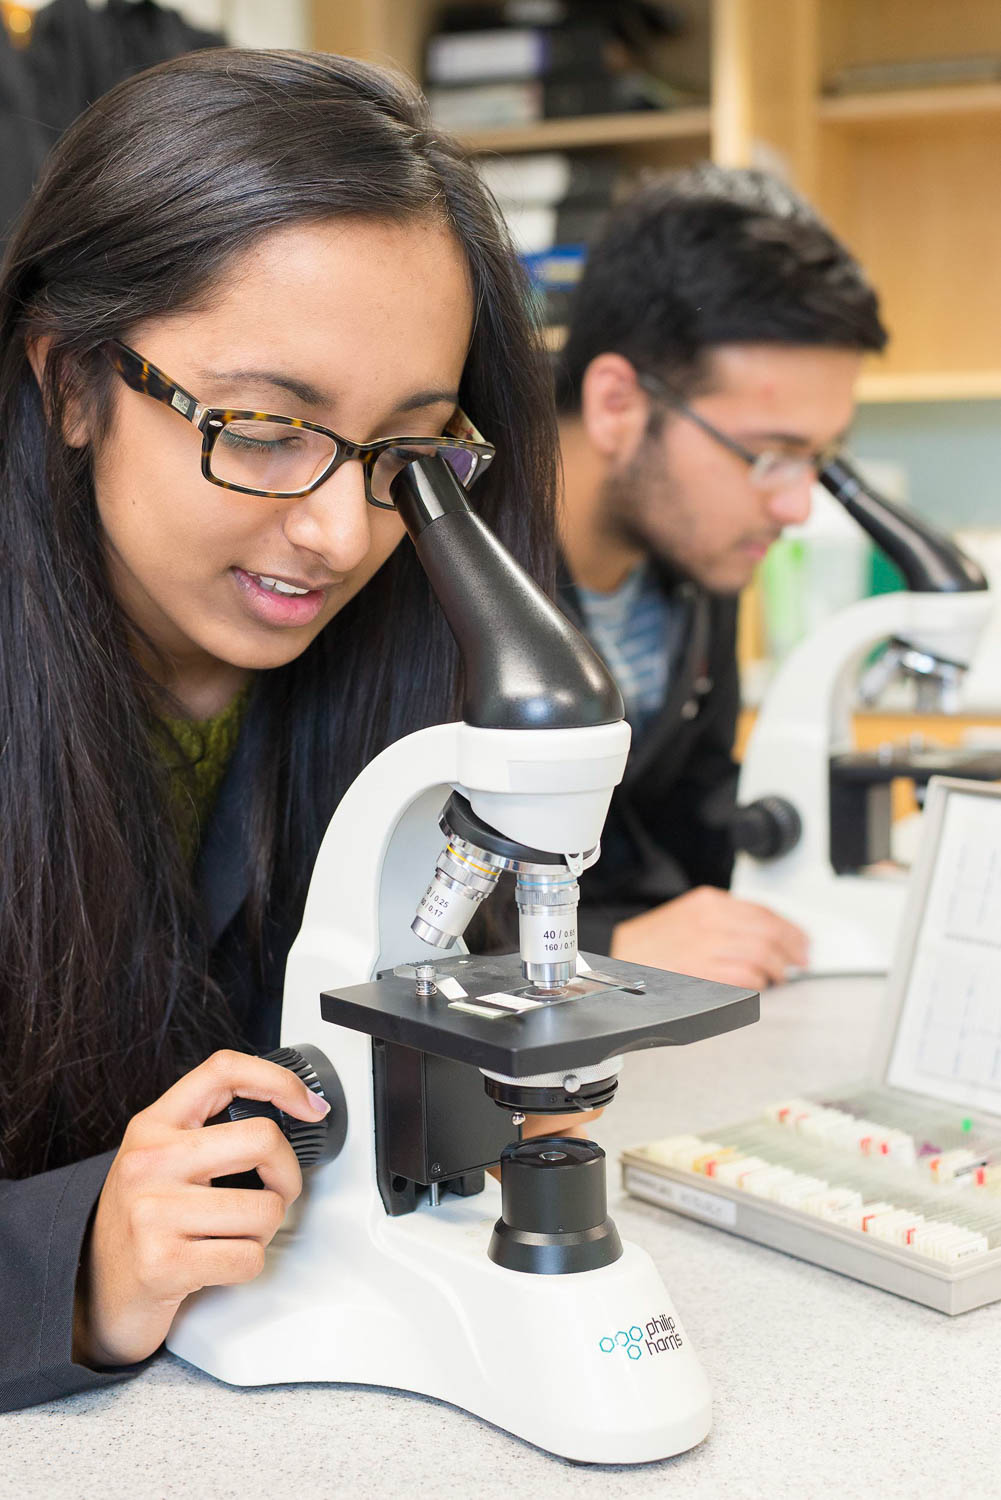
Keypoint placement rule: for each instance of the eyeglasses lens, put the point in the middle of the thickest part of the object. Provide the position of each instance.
(284, 460)
(393, 460)
(271, 456)
(779, 471)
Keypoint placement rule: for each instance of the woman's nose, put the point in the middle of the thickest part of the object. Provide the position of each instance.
(335, 520)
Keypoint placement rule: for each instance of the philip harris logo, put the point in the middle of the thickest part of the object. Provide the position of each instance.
(659, 1335)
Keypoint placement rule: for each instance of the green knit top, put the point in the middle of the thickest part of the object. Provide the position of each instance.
(197, 753)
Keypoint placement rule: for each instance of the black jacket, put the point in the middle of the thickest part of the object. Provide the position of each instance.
(44, 1219)
(666, 830)
(75, 55)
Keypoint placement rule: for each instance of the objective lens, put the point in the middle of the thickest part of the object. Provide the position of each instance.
(547, 897)
(464, 877)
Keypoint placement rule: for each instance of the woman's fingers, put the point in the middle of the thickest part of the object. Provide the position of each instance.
(170, 1269)
(221, 1262)
(161, 1231)
(221, 1213)
(198, 1156)
(209, 1088)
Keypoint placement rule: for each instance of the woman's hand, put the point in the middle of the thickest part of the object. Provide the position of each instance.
(161, 1230)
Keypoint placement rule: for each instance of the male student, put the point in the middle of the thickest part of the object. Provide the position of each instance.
(709, 370)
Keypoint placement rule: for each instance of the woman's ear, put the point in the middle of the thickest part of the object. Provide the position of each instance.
(613, 407)
(76, 428)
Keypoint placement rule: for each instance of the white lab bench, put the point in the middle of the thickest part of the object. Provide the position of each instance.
(822, 1387)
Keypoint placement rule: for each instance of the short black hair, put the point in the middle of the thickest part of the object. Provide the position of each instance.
(708, 256)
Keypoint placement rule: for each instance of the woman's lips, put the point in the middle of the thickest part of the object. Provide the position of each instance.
(273, 608)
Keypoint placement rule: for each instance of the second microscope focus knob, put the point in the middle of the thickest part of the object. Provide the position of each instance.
(312, 1141)
(766, 828)
(554, 1214)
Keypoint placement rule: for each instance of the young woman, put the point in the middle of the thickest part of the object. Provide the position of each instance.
(208, 627)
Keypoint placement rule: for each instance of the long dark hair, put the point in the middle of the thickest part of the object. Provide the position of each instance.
(105, 998)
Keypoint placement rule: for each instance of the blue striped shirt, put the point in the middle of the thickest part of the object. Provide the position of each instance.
(632, 630)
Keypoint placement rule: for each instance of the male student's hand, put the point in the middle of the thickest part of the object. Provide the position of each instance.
(161, 1229)
(713, 935)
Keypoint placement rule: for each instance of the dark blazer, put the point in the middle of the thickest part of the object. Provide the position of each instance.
(44, 1219)
(666, 830)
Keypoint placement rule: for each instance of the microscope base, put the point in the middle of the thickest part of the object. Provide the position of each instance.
(414, 1303)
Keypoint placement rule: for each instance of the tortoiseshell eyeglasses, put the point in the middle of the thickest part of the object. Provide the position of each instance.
(279, 458)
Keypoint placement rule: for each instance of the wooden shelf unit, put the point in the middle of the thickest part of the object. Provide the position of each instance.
(905, 177)
(395, 32)
(930, 385)
(908, 179)
(644, 127)
(900, 106)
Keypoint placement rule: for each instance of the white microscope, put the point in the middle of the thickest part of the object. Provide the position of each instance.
(814, 814)
(402, 1264)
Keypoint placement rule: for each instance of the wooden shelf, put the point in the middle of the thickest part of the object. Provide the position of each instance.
(917, 105)
(931, 385)
(880, 386)
(638, 128)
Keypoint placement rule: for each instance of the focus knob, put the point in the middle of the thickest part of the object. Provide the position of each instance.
(312, 1141)
(766, 828)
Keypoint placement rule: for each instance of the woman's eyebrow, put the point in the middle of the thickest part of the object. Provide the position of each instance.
(311, 395)
(420, 399)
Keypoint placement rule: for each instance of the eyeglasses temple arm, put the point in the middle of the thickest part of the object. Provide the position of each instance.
(149, 381)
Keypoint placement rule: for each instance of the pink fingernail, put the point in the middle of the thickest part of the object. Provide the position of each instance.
(317, 1102)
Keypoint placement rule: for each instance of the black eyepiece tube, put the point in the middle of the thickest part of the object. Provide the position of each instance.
(525, 666)
(929, 560)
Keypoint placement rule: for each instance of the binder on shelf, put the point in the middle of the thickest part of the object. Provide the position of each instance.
(496, 105)
(512, 53)
(549, 177)
(537, 228)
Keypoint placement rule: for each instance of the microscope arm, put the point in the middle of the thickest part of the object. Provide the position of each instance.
(785, 800)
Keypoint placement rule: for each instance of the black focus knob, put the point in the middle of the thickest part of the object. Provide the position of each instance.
(312, 1141)
(766, 828)
(554, 1213)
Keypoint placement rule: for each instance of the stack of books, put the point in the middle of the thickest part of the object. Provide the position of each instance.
(518, 75)
(554, 205)
(550, 198)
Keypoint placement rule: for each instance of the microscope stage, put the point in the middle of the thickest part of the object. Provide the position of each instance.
(477, 1017)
